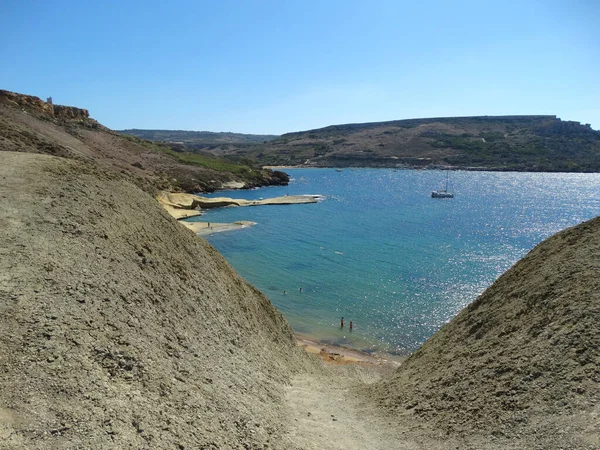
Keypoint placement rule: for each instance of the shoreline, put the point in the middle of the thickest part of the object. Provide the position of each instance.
(339, 355)
(208, 228)
(329, 353)
(177, 201)
(185, 206)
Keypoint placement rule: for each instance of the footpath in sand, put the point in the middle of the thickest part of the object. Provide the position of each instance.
(328, 412)
(328, 415)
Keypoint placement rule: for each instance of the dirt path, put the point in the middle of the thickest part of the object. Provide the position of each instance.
(327, 412)
(328, 415)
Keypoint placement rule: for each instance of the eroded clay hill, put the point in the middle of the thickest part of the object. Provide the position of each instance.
(121, 329)
(522, 362)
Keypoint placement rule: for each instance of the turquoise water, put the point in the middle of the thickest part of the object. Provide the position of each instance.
(379, 251)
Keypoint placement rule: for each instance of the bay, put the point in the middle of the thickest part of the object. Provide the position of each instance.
(379, 251)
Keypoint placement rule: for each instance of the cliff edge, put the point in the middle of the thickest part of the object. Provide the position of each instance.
(47, 109)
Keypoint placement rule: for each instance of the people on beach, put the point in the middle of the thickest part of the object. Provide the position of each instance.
(342, 323)
(350, 325)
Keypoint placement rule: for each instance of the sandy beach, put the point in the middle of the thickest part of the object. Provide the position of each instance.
(179, 204)
(337, 355)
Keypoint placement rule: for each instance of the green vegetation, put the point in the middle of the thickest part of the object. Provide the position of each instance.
(200, 139)
(205, 161)
(525, 143)
(219, 165)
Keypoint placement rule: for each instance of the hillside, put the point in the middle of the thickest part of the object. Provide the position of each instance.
(523, 143)
(120, 328)
(28, 124)
(522, 362)
(197, 140)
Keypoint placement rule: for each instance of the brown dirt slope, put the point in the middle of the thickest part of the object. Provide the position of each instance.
(523, 361)
(121, 329)
(28, 124)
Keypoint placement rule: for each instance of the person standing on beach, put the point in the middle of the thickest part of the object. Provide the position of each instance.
(342, 323)
(350, 325)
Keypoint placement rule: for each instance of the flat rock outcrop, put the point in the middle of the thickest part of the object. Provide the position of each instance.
(206, 228)
(184, 201)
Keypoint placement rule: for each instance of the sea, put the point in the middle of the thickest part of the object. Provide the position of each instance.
(377, 250)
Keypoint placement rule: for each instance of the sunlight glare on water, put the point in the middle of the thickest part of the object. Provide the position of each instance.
(381, 252)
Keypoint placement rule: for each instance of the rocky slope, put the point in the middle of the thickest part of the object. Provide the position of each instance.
(522, 362)
(120, 328)
(525, 143)
(28, 124)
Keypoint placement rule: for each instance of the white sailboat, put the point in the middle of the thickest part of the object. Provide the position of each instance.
(444, 193)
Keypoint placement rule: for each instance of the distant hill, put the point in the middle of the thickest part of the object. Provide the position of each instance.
(200, 139)
(523, 143)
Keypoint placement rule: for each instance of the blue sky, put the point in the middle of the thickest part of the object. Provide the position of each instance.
(279, 66)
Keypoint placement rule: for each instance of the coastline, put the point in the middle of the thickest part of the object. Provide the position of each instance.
(338, 355)
(178, 205)
(184, 206)
(207, 228)
(286, 167)
(172, 201)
